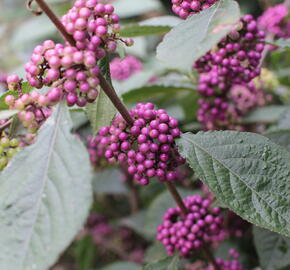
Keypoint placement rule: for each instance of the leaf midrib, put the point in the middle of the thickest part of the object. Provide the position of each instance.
(43, 180)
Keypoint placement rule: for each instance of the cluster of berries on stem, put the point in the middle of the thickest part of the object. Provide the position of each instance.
(186, 233)
(147, 147)
(185, 8)
(234, 63)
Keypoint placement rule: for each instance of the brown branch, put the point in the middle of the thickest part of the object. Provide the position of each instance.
(51, 15)
(176, 197)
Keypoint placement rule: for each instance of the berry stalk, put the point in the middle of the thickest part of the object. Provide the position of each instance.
(176, 197)
(209, 256)
(51, 15)
(108, 89)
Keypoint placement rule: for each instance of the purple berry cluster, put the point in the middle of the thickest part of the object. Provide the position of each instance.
(122, 69)
(227, 265)
(73, 74)
(147, 147)
(94, 26)
(201, 226)
(96, 151)
(185, 8)
(275, 20)
(234, 64)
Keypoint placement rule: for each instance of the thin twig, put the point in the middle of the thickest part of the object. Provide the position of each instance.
(172, 189)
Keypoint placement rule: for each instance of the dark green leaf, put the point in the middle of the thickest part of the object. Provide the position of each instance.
(273, 249)
(45, 197)
(191, 39)
(136, 30)
(245, 171)
(3, 105)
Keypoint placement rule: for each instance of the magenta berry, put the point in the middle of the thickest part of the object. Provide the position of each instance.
(186, 234)
(185, 8)
(275, 20)
(122, 69)
(143, 152)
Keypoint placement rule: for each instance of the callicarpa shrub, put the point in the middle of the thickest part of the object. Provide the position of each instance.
(134, 138)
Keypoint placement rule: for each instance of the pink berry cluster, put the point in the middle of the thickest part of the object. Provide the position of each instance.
(185, 8)
(94, 26)
(233, 264)
(34, 107)
(96, 151)
(233, 65)
(122, 69)
(73, 74)
(201, 226)
(147, 147)
(275, 20)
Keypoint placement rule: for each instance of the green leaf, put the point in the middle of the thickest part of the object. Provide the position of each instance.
(273, 249)
(136, 30)
(26, 87)
(282, 43)
(162, 21)
(266, 115)
(45, 197)
(155, 90)
(245, 171)
(281, 137)
(5, 114)
(169, 263)
(191, 39)
(155, 252)
(122, 266)
(108, 181)
(102, 111)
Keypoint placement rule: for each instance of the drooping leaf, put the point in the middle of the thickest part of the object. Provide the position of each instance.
(245, 171)
(273, 249)
(168, 263)
(136, 30)
(45, 197)
(102, 111)
(191, 39)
